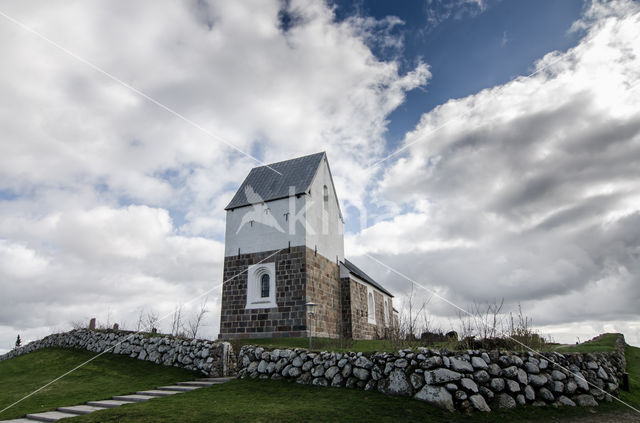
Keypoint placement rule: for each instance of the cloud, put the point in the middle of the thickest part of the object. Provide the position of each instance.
(109, 202)
(528, 190)
(438, 11)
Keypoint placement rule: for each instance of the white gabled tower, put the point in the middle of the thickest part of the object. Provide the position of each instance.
(291, 203)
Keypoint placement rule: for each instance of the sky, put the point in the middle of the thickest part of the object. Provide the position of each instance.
(484, 150)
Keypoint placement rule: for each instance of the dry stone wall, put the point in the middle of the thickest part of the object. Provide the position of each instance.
(211, 358)
(451, 380)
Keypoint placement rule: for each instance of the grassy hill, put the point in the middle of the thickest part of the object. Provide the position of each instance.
(266, 401)
(104, 377)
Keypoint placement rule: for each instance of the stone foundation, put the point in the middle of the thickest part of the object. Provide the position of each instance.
(288, 320)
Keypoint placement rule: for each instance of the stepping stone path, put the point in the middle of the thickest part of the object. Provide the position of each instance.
(118, 400)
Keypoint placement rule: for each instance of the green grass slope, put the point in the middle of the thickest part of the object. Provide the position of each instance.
(102, 378)
(604, 342)
(281, 401)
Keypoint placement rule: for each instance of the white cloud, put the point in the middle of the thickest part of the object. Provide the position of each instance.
(115, 204)
(529, 190)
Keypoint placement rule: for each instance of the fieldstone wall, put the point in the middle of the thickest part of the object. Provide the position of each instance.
(289, 319)
(211, 358)
(451, 380)
(322, 279)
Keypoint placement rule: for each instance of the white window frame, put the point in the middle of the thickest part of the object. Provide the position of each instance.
(254, 291)
(371, 311)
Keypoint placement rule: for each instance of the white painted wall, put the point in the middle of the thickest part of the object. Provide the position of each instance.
(325, 227)
(311, 222)
(271, 230)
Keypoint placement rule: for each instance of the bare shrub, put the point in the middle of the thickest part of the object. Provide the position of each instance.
(196, 322)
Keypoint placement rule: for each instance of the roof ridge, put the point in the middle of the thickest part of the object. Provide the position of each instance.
(288, 160)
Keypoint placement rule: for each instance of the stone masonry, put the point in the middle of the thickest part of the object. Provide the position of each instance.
(289, 319)
(355, 308)
(462, 380)
(323, 289)
(211, 358)
(302, 275)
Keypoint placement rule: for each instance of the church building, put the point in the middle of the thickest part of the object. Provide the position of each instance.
(284, 248)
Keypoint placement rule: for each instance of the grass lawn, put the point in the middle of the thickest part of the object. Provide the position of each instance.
(102, 378)
(247, 400)
(281, 401)
(338, 345)
(633, 368)
(605, 342)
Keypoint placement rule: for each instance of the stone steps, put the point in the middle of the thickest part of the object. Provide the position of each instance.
(198, 383)
(118, 400)
(80, 409)
(181, 388)
(49, 416)
(158, 392)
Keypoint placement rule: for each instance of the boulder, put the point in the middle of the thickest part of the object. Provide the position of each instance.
(337, 380)
(557, 387)
(545, 394)
(497, 384)
(537, 380)
(512, 386)
(479, 403)
(360, 373)
(510, 372)
(346, 370)
(486, 392)
(586, 400)
(436, 395)
(581, 381)
(401, 363)
(395, 384)
(570, 387)
(503, 401)
(522, 377)
(478, 363)
(460, 365)
(331, 372)
(320, 381)
(363, 362)
(294, 371)
(431, 362)
(481, 376)
(529, 393)
(562, 400)
(469, 385)
(441, 376)
(417, 380)
(531, 368)
(494, 369)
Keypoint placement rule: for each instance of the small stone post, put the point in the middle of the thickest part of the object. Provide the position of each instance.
(92, 323)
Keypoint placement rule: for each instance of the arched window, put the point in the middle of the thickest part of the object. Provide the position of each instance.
(326, 194)
(264, 286)
(371, 308)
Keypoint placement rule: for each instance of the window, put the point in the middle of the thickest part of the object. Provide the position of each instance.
(371, 307)
(261, 288)
(264, 286)
(387, 319)
(326, 194)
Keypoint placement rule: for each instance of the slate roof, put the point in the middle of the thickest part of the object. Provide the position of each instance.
(359, 273)
(269, 185)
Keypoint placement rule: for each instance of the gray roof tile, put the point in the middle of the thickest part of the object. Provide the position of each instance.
(263, 184)
(360, 273)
